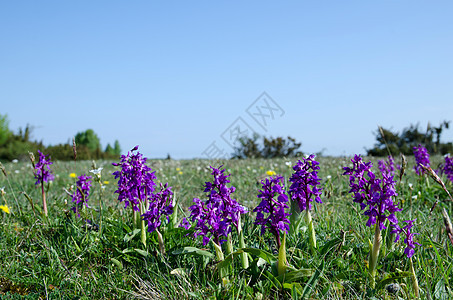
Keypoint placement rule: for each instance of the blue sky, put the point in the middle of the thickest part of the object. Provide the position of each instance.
(173, 76)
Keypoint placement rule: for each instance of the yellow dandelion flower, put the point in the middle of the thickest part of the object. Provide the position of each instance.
(73, 175)
(270, 173)
(4, 208)
(178, 169)
(180, 172)
(106, 182)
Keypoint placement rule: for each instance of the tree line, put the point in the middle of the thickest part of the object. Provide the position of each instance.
(88, 145)
(389, 141)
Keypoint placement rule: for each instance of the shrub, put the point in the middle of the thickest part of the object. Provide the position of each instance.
(270, 148)
(391, 142)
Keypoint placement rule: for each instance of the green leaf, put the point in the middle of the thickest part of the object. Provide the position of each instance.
(176, 230)
(142, 252)
(77, 246)
(31, 203)
(295, 288)
(192, 251)
(295, 275)
(127, 250)
(440, 291)
(393, 277)
(311, 284)
(256, 267)
(266, 256)
(327, 247)
(270, 258)
(131, 235)
(179, 272)
(117, 263)
(439, 260)
(229, 259)
(281, 262)
(273, 280)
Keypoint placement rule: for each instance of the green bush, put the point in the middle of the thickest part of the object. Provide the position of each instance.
(5, 133)
(17, 146)
(391, 142)
(270, 148)
(89, 139)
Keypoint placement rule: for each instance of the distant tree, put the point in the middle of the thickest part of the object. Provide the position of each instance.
(89, 139)
(109, 149)
(250, 147)
(387, 142)
(390, 142)
(116, 148)
(5, 133)
(25, 134)
(17, 146)
(279, 147)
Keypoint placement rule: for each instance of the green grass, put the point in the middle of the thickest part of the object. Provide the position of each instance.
(62, 258)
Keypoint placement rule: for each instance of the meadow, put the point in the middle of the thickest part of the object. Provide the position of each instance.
(100, 255)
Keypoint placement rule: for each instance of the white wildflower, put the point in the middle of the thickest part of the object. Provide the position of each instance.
(96, 171)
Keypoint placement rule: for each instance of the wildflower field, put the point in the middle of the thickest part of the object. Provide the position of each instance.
(308, 228)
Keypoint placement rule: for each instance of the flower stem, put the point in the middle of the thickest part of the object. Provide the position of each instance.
(414, 280)
(44, 203)
(135, 219)
(311, 231)
(160, 240)
(220, 258)
(142, 225)
(295, 219)
(244, 257)
(375, 254)
(229, 244)
(100, 208)
(281, 262)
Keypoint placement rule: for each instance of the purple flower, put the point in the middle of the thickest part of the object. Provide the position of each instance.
(373, 194)
(387, 166)
(185, 224)
(42, 169)
(273, 203)
(135, 180)
(421, 158)
(81, 194)
(448, 168)
(409, 240)
(159, 205)
(214, 217)
(304, 183)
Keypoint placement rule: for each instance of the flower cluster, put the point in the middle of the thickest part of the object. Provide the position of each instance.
(81, 194)
(161, 204)
(214, 217)
(5, 208)
(97, 174)
(448, 168)
(421, 158)
(409, 240)
(42, 169)
(373, 194)
(273, 202)
(304, 183)
(135, 180)
(387, 166)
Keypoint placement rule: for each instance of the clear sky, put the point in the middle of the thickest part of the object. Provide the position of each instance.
(176, 76)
